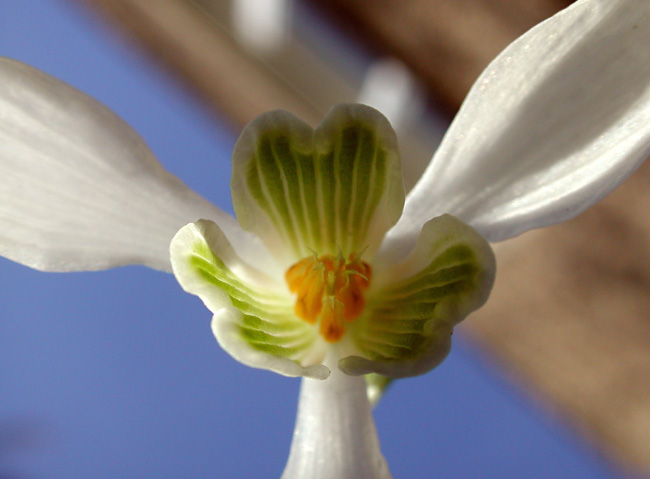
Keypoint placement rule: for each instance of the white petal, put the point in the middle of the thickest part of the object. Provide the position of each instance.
(79, 189)
(335, 435)
(253, 312)
(413, 305)
(226, 326)
(335, 188)
(554, 124)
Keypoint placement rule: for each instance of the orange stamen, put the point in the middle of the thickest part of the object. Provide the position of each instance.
(329, 289)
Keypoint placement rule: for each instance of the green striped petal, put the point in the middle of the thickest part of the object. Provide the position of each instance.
(338, 187)
(253, 312)
(413, 306)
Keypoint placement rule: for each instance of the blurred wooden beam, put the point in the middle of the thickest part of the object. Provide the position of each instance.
(447, 43)
(195, 40)
(188, 42)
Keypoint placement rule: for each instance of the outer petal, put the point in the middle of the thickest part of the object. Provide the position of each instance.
(555, 123)
(79, 189)
(413, 306)
(338, 187)
(335, 435)
(253, 313)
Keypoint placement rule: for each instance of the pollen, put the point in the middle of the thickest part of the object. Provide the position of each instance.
(329, 291)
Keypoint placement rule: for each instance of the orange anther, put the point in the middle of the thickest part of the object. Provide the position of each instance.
(329, 289)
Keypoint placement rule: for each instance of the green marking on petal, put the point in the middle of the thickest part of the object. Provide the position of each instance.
(204, 264)
(301, 190)
(411, 311)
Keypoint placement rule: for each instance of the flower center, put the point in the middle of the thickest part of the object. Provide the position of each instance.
(329, 289)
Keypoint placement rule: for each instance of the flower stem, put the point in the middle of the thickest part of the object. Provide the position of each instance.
(335, 435)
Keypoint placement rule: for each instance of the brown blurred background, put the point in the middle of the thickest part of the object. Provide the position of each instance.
(570, 314)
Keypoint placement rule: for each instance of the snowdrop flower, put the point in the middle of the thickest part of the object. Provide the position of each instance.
(332, 308)
(331, 272)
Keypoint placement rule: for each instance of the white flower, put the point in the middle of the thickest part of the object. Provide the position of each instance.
(330, 305)
(555, 123)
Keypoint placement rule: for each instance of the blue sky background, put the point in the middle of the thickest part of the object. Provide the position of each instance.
(116, 374)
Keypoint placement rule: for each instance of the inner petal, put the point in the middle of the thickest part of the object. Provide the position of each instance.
(329, 290)
(253, 318)
(299, 189)
(412, 306)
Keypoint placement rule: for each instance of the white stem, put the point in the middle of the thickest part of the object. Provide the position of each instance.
(335, 435)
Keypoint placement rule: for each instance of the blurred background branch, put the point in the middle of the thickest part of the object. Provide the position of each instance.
(570, 315)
